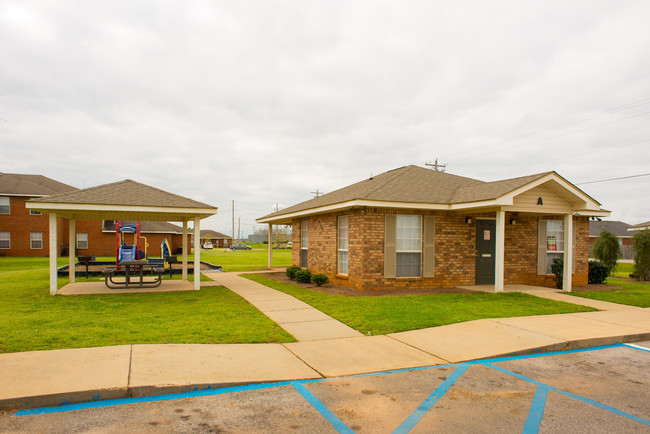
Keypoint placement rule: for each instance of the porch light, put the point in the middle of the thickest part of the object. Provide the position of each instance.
(540, 201)
(468, 220)
(513, 221)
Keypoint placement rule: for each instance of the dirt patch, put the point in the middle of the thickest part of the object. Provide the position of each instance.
(329, 288)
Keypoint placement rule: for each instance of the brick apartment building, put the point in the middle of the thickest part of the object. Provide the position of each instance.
(25, 232)
(418, 228)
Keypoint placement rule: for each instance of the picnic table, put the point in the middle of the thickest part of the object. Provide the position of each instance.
(133, 268)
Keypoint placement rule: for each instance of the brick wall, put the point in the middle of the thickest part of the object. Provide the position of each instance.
(455, 242)
(19, 223)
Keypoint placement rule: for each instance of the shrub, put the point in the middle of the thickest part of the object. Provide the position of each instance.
(319, 279)
(641, 246)
(291, 271)
(557, 268)
(607, 250)
(303, 276)
(598, 272)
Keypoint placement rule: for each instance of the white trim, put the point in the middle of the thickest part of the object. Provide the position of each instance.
(568, 253)
(46, 206)
(25, 195)
(197, 254)
(53, 249)
(72, 231)
(499, 248)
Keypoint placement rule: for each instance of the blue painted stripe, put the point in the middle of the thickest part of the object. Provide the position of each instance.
(637, 347)
(321, 408)
(572, 395)
(536, 413)
(431, 400)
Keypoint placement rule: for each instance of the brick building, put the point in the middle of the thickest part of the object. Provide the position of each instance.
(25, 232)
(418, 228)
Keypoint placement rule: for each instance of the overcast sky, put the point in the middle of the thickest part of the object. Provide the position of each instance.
(262, 102)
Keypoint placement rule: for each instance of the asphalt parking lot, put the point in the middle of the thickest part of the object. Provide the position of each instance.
(602, 389)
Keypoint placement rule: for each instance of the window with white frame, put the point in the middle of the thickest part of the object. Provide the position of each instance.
(303, 243)
(36, 240)
(5, 240)
(4, 205)
(408, 245)
(554, 242)
(34, 212)
(343, 233)
(82, 240)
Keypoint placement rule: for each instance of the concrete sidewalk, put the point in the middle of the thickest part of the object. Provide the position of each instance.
(43, 378)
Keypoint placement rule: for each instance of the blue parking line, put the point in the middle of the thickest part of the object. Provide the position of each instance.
(431, 400)
(536, 413)
(321, 408)
(572, 395)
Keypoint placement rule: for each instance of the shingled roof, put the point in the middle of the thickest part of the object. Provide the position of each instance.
(124, 200)
(18, 184)
(420, 188)
(125, 192)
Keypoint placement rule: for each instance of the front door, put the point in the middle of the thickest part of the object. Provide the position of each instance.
(485, 249)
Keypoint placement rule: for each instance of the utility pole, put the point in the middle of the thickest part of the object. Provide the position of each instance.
(239, 229)
(317, 193)
(233, 218)
(437, 167)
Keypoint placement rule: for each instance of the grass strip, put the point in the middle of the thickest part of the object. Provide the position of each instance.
(372, 315)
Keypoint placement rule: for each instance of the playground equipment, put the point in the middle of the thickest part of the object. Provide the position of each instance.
(125, 251)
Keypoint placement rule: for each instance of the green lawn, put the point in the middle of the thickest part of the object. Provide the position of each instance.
(245, 260)
(631, 293)
(379, 315)
(32, 319)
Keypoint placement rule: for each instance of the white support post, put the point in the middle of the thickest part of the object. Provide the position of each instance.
(184, 250)
(53, 254)
(270, 245)
(197, 254)
(72, 246)
(499, 251)
(568, 253)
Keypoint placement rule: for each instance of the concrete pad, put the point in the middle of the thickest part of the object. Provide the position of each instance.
(509, 288)
(576, 328)
(157, 369)
(95, 288)
(296, 315)
(633, 318)
(41, 378)
(317, 330)
(477, 340)
(349, 356)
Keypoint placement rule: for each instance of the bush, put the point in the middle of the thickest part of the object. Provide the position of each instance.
(598, 272)
(291, 271)
(319, 279)
(641, 246)
(303, 276)
(557, 268)
(607, 250)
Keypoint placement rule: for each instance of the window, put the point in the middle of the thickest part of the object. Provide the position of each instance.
(343, 233)
(551, 244)
(34, 212)
(408, 245)
(82, 240)
(5, 240)
(303, 243)
(4, 205)
(36, 240)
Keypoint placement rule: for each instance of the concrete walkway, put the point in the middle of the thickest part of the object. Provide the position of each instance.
(325, 348)
(297, 317)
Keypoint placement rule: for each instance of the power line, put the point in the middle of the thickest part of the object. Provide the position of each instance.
(613, 179)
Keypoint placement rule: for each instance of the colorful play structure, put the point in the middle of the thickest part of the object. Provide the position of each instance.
(125, 251)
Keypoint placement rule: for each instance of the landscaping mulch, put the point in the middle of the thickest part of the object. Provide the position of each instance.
(330, 288)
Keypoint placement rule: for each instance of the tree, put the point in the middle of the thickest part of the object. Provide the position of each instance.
(641, 246)
(607, 250)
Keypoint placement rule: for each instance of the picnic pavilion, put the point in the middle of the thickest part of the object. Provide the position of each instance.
(123, 200)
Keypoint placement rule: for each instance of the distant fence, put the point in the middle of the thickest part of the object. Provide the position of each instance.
(627, 252)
